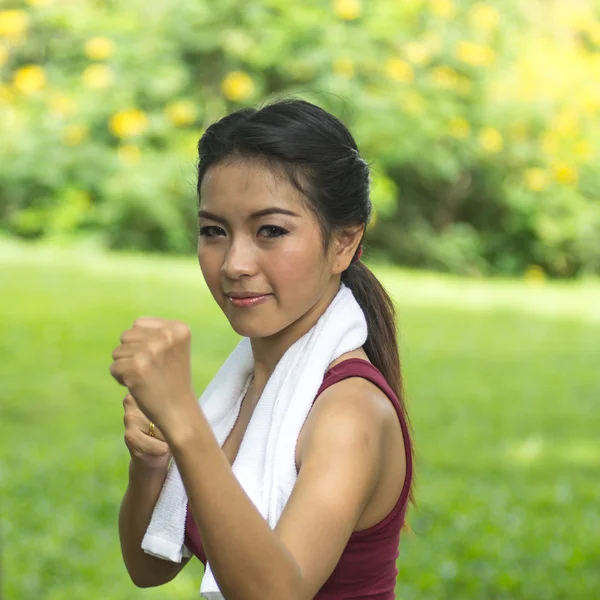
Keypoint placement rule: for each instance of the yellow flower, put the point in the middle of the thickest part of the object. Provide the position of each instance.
(442, 8)
(29, 79)
(237, 86)
(445, 77)
(594, 33)
(344, 67)
(63, 105)
(3, 55)
(484, 17)
(566, 123)
(418, 53)
(583, 149)
(590, 101)
(128, 123)
(536, 179)
(73, 135)
(575, 15)
(459, 128)
(534, 274)
(13, 23)
(491, 140)
(97, 77)
(475, 54)
(181, 112)
(129, 154)
(347, 9)
(549, 143)
(99, 48)
(398, 70)
(564, 173)
(414, 103)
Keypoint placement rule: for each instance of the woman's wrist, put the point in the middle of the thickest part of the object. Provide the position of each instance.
(138, 469)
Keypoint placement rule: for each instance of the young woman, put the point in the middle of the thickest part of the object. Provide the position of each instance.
(283, 206)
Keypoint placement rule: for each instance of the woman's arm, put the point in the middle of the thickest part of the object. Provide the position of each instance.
(340, 468)
(138, 504)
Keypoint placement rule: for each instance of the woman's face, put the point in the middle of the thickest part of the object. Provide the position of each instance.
(276, 254)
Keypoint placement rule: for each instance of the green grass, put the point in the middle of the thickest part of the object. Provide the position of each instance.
(503, 384)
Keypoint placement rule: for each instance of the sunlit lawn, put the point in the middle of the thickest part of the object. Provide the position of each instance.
(503, 381)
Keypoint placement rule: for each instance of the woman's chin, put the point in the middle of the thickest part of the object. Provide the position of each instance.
(246, 328)
(249, 332)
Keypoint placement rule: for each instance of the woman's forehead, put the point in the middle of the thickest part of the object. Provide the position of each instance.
(250, 187)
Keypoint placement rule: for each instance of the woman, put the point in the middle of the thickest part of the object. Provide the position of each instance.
(283, 206)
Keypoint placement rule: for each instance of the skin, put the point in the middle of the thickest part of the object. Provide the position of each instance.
(350, 438)
(247, 255)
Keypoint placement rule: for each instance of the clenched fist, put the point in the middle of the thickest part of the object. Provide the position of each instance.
(154, 362)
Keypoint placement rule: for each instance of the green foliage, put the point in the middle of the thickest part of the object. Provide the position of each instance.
(502, 386)
(466, 109)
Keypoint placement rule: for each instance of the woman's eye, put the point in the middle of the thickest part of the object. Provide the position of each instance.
(278, 230)
(275, 231)
(205, 230)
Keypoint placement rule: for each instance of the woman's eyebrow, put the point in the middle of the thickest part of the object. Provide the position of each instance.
(255, 215)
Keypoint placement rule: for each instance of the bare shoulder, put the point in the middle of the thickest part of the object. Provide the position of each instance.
(355, 394)
(356, 397)
(352, 407)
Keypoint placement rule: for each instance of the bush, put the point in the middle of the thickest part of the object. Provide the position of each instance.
(484, 156)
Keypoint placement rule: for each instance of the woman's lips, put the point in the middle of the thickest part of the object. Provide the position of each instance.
(247, 302)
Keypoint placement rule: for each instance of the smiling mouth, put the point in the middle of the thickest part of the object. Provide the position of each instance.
(249, 296)
(249, 301)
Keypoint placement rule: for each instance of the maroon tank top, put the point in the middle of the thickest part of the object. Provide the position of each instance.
(367, 567)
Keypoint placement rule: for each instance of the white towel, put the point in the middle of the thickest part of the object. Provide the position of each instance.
(265, 464)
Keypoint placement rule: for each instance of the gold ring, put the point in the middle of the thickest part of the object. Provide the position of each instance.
(151, 432)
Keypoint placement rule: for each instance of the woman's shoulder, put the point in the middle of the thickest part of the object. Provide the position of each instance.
(361, 386)
(352, 393)
(358, 353)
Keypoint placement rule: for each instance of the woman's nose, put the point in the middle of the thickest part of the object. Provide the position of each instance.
(239, 260)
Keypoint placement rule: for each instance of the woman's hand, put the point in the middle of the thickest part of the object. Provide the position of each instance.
(150, 452)
(154, 362)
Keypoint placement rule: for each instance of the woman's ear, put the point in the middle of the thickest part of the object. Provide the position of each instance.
(346, 243)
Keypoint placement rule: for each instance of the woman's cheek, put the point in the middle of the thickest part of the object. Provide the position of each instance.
(296, 263)
(294, 273)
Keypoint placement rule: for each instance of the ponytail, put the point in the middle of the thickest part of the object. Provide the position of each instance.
(382, 344)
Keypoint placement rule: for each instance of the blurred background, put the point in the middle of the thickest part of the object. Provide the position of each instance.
(481, 119)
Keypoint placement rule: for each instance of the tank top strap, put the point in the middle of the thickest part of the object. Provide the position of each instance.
(357, 367)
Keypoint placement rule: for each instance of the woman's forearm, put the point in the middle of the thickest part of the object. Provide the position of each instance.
(136, 510)
(247, 558)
